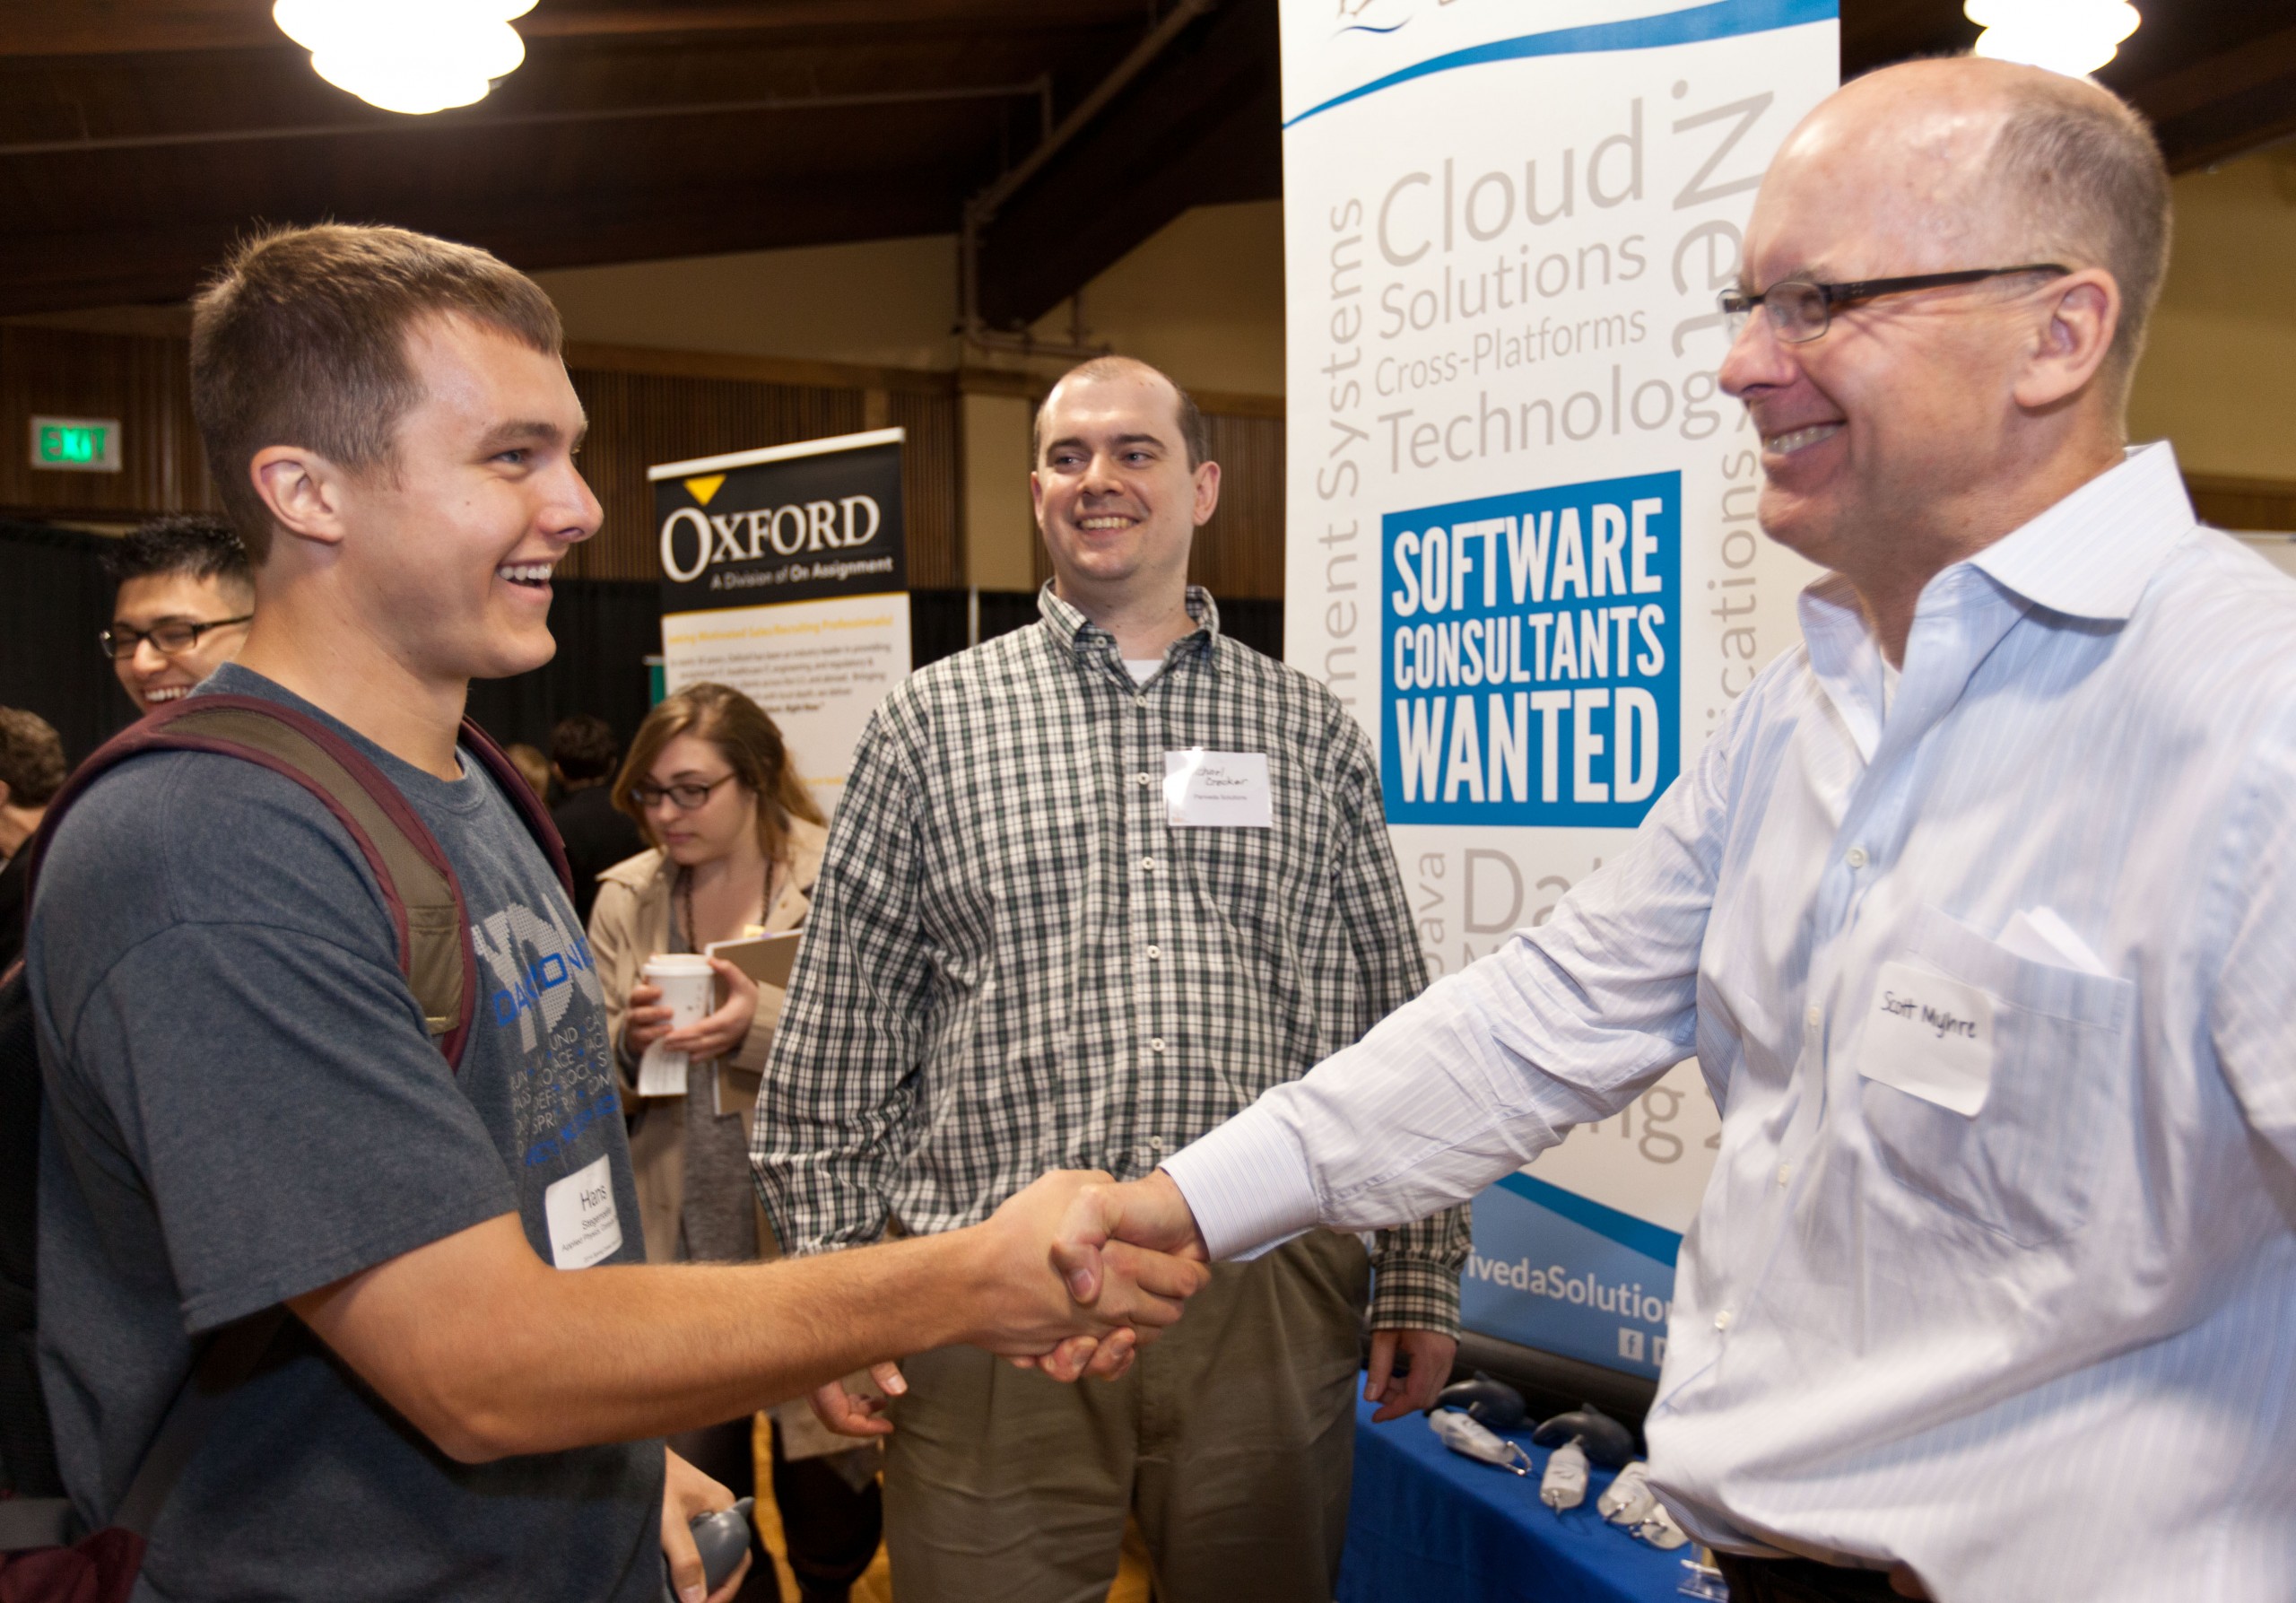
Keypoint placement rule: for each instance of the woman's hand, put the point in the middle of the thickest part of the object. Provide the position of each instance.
(646, 1021)
(723, 1031)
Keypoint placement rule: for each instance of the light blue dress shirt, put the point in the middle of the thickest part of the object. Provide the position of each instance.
(2002, 1286)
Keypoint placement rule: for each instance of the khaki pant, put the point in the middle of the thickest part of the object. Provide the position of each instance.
(1231, 1441)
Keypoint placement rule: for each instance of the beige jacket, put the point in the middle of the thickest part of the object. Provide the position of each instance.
(629, 923)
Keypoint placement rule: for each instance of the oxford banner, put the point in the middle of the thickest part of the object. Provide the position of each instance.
(785, 574)
(1522, 540)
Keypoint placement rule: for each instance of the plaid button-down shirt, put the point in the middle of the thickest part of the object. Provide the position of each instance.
(1015, 964)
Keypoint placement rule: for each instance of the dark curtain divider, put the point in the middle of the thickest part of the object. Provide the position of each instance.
(54, 599)
(605, 630)
(1258, 624)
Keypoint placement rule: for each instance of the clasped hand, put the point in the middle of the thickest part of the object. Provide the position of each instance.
(1078, 1271)
(718, 1035)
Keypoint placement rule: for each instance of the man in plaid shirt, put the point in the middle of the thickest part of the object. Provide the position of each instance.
(1094, 886)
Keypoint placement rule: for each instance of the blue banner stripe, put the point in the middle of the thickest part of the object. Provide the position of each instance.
(1721, 20)
(1652, 1241)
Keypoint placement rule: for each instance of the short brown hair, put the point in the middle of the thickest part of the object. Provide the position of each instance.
(2083, 169)
(745, 736)
(300, 339)
(583, 748)
(31, 758)
(1190, 418)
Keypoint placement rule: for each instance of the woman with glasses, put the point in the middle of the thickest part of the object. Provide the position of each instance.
(736, 842)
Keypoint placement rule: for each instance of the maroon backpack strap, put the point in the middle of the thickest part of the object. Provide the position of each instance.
(513, 784)
(425, 899)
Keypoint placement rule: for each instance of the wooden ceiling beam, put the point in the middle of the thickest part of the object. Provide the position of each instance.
(1201, 126)
(165, 263)
(135, 27)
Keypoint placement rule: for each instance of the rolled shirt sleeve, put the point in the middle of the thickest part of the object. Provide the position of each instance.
(1564, 1024)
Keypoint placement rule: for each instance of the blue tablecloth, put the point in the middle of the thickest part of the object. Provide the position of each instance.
(1426, 1525)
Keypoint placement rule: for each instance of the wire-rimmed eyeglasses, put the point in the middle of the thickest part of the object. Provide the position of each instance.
(1800, 311)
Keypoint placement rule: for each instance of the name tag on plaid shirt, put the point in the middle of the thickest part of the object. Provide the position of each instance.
(1218, 790)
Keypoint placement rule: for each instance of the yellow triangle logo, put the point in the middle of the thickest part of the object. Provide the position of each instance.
(703, 489)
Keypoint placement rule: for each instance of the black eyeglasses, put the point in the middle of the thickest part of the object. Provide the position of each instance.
(1800, 312)
(170, 637)
(687, 796)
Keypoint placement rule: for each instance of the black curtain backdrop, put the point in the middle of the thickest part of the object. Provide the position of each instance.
(54, 599)
(605, 630)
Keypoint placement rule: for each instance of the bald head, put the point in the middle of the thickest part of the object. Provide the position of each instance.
(1186, 417)
(1973, 162)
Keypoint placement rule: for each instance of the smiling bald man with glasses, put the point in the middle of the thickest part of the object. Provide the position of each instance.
(1977, 914)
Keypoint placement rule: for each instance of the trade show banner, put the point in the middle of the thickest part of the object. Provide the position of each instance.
(1523, 546)
(785, 574)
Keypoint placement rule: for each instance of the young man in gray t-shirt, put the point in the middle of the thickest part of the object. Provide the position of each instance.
(246, 1110)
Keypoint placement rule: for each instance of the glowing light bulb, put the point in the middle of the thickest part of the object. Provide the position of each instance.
(415, 56)
(2074, 37)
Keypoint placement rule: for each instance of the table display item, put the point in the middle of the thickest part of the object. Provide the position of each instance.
(1464, 1436)
(688, 985)
(1491, 1404)
(1607, 1442)
(1658, 1528)
(1628, 1500)
(1564, 1484)
(1704, 1580)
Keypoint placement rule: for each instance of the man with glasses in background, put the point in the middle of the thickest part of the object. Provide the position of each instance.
(185, 597)
(1978, 914)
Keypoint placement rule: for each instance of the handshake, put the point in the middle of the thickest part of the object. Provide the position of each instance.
(1069, 1276)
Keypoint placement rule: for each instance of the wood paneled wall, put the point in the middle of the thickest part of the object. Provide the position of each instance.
(639, 419)
(1239, 554)
(144, 381)
(2267, 505)
(645, 407)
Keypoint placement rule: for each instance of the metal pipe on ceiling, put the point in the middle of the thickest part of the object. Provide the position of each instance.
(983, 207)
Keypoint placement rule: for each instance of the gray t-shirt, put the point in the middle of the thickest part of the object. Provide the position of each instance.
(257, 1113)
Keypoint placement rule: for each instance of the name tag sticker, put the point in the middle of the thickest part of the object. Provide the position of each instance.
(1218, 790)
(1929, 1037)
(583, 1228)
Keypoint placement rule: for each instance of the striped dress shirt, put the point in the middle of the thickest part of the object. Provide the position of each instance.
(1997, 989)
(1015, 964)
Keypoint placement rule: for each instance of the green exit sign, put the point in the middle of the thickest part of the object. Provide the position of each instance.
(76, 444)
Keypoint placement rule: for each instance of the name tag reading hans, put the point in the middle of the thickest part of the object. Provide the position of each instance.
(1930, 1037)
(585, 1228)
(1217, 790)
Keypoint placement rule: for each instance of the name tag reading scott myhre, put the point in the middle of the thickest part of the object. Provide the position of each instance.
(1929, 1037)
(1218, 790)
(585, 1229)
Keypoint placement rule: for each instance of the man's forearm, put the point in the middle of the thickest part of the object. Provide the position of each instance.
(541, 1360)
(490, 1352)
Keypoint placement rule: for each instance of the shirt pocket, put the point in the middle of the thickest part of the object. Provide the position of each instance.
(2024, 1165)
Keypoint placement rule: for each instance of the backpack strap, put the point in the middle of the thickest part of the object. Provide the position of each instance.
(418, 884)
(431, 925)
(513, 784)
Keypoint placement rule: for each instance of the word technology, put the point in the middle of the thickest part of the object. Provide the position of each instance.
(1529, 654)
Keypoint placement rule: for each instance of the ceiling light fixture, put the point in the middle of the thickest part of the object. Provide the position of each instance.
(2074, 37)
(413, 56)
